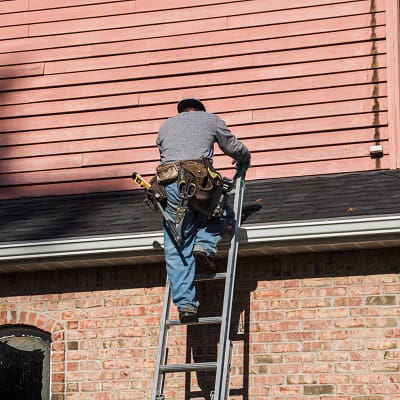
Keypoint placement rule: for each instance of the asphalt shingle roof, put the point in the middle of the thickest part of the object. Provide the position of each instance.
(266, 201)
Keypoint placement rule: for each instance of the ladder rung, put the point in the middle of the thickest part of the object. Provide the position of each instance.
(206, 366)
(200, 321)
(210, 277)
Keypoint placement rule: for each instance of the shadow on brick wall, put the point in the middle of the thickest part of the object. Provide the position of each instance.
(202, 340)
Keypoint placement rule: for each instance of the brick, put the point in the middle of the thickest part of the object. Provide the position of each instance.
(266, 294)
(381, 278)
(284, 347)
(346, 345)
(332, 291)
(74, 314)
(333, 313)
(72, 325)
(134, 312)
(316, 303)
(300, 336)
(392, 388)
(315, 282)
(356, 367)
(268, 358)
(367, 378)
(3, 317)
(317, 346)
(381, 322)
(301, 379)
(124, 395)
(333, 335)
(270, 380)
(57, 367)
(352, 389)
(60, 305)
(259, 391)
(299, 292)
(347, 301)
(284, 368)
(102, 312)
(366, 311)
(267, 337)
(318, 368)
(395, 288)
(392, 333)
(316, 390)
(90, 386)
(317, 325)
(286, 390)
(368, 398)
(282, 304)
(365, 355)
(334, 378)
(72, 366)
(395, 378)
(57, 357)
(349, 323)
(366, 333)
(72, 387)
(392, 355)
(384, 366)
(364, 290)
(57, 377)
(380, 300)
(382, 345)
(89, 303)
(390, 311)
(333, 356)
(348, 280)
(283, 326)
(301, 314)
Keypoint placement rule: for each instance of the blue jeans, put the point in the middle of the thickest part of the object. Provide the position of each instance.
(180, 261)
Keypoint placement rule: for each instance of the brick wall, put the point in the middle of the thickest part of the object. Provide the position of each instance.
(308, 326)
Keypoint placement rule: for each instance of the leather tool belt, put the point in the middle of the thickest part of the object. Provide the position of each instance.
(196, 177)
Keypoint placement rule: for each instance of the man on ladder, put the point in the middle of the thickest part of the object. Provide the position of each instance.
(193, 192)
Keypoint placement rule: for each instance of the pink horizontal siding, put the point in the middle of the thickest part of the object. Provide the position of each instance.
(85, 86)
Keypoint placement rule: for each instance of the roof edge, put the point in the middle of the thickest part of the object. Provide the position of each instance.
(286, 234)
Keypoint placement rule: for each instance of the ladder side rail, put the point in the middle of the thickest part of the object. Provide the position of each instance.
(162, 340)
(221, 376)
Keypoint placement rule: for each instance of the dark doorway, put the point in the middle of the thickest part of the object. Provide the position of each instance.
(24, 363)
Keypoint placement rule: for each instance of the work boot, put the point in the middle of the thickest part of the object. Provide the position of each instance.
(204, 259)
(188, 316)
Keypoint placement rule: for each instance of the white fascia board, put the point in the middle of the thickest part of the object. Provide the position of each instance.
(374, 227)
(81, 246)
(290, 233)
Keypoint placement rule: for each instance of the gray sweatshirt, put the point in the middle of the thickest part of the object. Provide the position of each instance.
(191, 136)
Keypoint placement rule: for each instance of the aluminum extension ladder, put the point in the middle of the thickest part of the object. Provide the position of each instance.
(223, 364)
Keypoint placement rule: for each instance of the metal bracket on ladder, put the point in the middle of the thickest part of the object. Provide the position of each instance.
(223, 365)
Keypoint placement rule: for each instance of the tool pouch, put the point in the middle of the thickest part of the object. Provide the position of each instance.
(156, 194)
(207, 192)
(167, 173)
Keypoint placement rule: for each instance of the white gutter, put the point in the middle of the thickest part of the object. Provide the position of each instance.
(332, 231)
(374, 227)
(81, 246)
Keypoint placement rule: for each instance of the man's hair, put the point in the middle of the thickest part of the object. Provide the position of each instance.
(190, 102)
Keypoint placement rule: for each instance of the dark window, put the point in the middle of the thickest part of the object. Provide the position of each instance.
(24, 363)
